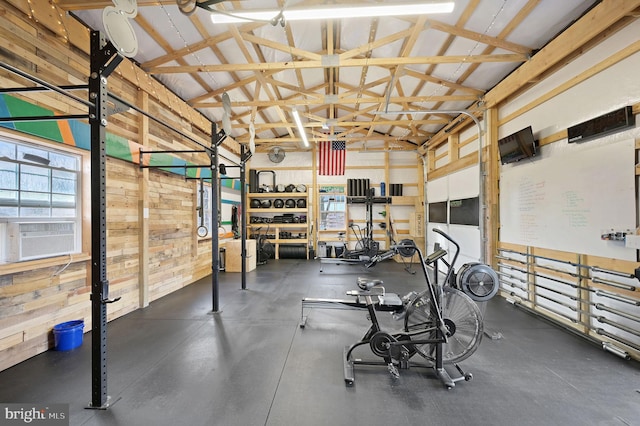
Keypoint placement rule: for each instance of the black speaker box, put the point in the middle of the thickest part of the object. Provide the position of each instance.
(611, 122)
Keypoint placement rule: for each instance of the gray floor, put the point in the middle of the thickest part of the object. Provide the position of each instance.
(174, 363)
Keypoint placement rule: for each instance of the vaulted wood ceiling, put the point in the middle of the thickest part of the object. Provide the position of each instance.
(346, 76)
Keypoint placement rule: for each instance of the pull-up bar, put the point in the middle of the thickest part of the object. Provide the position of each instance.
(42, 89)
(44, 118)
(45, 84)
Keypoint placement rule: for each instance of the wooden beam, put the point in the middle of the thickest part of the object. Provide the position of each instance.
(101, 4)
(294, 51)
(143, 210)
(347, 101)
(314, 124)
(454, 148)
(289, 65)
(482, 38)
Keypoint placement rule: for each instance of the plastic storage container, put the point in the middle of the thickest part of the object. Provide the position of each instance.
(68, 335)
(322, 249)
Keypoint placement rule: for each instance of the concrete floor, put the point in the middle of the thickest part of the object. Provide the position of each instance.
(175, 363)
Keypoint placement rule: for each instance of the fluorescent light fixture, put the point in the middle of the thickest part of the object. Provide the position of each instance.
(333, 12)
(303, 134)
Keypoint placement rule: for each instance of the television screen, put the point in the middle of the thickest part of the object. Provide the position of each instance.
(517, 146)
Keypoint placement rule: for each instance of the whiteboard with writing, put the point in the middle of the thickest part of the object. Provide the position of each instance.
(565, 200)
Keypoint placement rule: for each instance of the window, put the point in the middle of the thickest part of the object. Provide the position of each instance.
(40, 199)
(333, 204)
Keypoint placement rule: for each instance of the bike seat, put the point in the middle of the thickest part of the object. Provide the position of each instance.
(368, 283)
(385, 299)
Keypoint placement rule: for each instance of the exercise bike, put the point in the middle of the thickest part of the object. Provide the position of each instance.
(441, 324)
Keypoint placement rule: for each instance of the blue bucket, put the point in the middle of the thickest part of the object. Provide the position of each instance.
(68, 335)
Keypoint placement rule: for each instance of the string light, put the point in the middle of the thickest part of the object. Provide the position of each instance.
(215, 84)
(32, 12)
(64, 32)
(441, 88)
(493, 21)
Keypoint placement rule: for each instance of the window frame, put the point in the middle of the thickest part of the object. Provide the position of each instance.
(331, 213)
(82, 195)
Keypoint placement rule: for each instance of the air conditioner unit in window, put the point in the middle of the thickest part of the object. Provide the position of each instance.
(34, 240)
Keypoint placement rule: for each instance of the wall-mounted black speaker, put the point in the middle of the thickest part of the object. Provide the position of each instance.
(611, 122)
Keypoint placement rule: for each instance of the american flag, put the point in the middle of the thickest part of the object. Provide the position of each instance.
(331, 158)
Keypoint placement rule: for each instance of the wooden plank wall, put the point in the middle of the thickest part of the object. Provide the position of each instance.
(122, 236)
(171, 233)
(36, 295)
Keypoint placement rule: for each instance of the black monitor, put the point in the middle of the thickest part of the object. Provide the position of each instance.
(517, 146)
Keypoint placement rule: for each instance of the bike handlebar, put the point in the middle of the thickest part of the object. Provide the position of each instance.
(447, 237)
(455, 256)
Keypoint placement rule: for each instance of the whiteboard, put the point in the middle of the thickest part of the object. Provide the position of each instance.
(566, 200)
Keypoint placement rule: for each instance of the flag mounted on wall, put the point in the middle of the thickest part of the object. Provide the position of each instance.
(331, 158)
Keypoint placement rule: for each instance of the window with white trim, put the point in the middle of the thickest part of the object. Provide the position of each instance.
(40, 199)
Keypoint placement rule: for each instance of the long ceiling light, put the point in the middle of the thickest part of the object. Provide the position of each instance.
(303, 134)
(333, 12)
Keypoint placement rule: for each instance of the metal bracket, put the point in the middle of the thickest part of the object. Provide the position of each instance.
(117, 107)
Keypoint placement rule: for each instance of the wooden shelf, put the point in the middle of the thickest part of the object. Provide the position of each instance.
(278, 194)
(273, 210)
(279, 225)
(290, 241)
(276, 228)
(403, 200)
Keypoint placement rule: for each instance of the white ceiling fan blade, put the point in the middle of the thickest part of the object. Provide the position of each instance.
(226, 124)
(226, 116)
(252, 137)
(226, 103)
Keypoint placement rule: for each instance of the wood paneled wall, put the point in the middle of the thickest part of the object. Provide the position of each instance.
(36, 295)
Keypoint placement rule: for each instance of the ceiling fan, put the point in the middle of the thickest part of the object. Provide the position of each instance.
(277, 154)
(189, 6)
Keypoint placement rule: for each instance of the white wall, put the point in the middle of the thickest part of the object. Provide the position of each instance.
(297, 167)
(598, 170)
(576, 189)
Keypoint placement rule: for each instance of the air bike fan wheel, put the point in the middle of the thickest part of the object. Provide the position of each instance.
(478, 281)
(462, 319)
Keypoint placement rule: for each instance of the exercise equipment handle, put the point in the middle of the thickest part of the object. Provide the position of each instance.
(447, 237)
(455, 256)
(380, 257)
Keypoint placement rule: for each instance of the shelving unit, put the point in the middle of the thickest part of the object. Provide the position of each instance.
(277, 228)
(380, 234)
